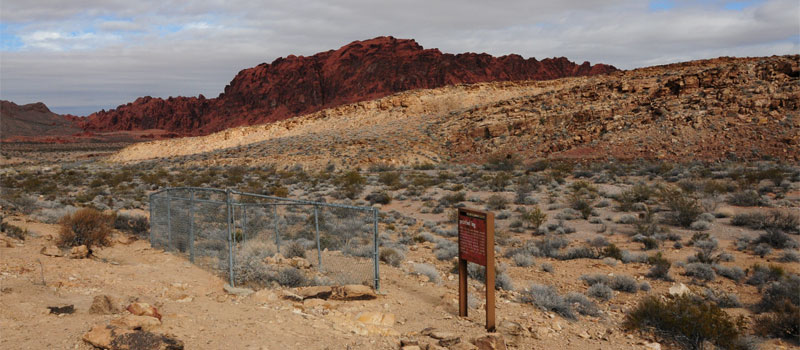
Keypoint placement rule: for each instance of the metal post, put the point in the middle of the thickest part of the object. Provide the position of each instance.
(191, 227)
(230, 237)
(244, 224)
(319, 249)
(375, 248)
(169, 224)
(277, 234)
(151, 219)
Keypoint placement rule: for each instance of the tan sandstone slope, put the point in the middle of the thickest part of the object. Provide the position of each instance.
(739, 108)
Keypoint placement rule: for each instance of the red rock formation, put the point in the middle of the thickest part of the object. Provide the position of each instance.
(359, 71)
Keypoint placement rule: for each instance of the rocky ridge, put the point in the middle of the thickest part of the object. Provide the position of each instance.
(739, 108)
(297, 85)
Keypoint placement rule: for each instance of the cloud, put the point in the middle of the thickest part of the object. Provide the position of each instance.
(84, 55)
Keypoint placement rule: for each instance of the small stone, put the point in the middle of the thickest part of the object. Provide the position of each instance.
(679, 290)
(584, 335)
(79, 252)
(410, 347)
(652, 346)
(290, 296)
(51, 250)
(143, 309)
(242, 292)
(62, 310)
(104, 305)
(322, 292)
(352, 292)
(263, 296)
(376, 318)
(100, 336)
(491, 341)
(145, 323)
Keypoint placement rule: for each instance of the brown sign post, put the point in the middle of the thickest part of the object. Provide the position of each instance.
(476, 245)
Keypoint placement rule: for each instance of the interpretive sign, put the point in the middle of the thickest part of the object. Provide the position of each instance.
(476, 245)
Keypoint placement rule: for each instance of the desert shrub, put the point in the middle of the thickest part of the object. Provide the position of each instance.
(723, 299)
(427, 270)
(600, 291)
(548, 267)
(380, 197)
(683, 209)
(628, 257)
(789, 256)
(733, 273)
(776, 239)
(747, 199)
(522, 260)
(776, 292)
(534, 218)
(294, 249)
(627, 219)
(86, 226)
(582, 204)
(391, 256)
(621, 283)
(599, 241)
(762, 250)
(496, 202)
(578, 253)
(291, 277)
(549, 246)
(781, 323)
(582, 304)
(568, 214)
(636, 194)
(501, 279)
(501, 161)
(687, 321)
(445, 249)
(612, 251)
(645, 286)
(760, 274)
(390, 179)
(650, 243)
(647, 225)
(52, 215)
(547, 298)
(137, 225)
(700, 271)
(700, 225)
(660, 267)
(452, 198)
(351, 184)
(12, 231)
(250, 268)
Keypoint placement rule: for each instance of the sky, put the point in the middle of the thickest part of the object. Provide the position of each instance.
(80, 56)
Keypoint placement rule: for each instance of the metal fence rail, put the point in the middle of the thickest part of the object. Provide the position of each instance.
(260, 240)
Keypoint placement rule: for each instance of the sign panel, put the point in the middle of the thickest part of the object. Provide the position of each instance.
(476, 245)
(472, 236)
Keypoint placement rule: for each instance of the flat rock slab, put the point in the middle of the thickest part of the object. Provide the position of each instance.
(352, 292)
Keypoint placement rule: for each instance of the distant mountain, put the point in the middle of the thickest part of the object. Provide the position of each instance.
(359, 71)
(34, 120)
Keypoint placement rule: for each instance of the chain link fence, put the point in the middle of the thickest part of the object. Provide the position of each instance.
(257, 240)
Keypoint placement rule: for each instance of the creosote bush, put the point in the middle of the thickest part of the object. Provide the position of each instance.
(86, 226)
(391, 256)
(688, 321)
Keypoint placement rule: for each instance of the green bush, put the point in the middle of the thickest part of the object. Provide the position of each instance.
(784, 322)
(684, 210)
(688, 321)
(351, 184)
(496, 202)
(86, 226)
(535, 217)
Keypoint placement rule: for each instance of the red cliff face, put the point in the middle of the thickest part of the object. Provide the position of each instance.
(359, 71)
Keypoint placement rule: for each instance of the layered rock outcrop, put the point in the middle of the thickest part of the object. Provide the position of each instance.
(296, 85)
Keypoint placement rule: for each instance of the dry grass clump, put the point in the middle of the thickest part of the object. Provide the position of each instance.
(689, 322)
(87, 227)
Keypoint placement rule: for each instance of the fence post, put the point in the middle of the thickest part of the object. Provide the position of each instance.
(230, 237)
(275, 219)
(319, 249)
(375, 248)
(191, 227)
(244, 224)
(152, 219)
(169, 221)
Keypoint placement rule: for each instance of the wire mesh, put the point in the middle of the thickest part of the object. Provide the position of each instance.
(257, 240)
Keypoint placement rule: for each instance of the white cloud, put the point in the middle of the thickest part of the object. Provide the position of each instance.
(108, 52)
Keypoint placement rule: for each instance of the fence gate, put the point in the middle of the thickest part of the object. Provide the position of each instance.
(259, 240)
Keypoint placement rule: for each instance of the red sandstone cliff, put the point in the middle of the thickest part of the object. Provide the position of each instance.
(359, 71)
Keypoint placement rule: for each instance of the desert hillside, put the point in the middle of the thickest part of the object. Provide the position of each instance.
(359, 71)
(34, 120)
(725, 108)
